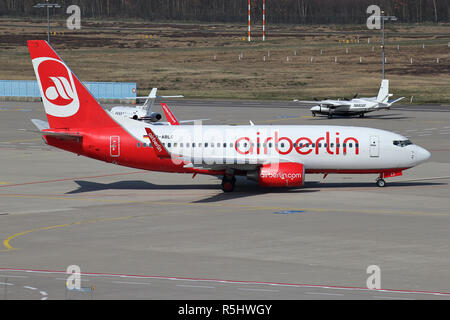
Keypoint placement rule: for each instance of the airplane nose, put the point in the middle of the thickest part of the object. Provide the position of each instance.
(422, 154)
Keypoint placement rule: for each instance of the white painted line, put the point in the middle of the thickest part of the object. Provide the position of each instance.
(189, 286)
(31, 288)
(249, 289)
(10, 276)
(43, 293)
(291, 285)
(125, 282)
(392, 298)
(325, 294)
(6, 284)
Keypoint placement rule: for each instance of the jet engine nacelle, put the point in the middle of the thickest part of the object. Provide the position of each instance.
(153, 117)
(286, 174)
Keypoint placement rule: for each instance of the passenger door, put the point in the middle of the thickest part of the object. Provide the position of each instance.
(374, 146)
(114, 146)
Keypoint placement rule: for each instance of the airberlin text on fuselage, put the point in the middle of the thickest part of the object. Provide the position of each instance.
(303, 145)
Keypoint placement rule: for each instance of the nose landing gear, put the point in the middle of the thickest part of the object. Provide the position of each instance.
(388, 174)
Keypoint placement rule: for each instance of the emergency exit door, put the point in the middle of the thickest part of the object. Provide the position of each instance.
(114, 146)
(374, 146)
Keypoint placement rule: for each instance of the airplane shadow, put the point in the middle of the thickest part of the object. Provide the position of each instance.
(249, 191)
(389, 184)
(242, 190)
(87, 186)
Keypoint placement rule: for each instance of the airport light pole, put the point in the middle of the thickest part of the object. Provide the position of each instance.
(48, 6)
(383, 19)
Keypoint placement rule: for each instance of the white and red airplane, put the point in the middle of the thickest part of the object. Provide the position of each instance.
(274, 156)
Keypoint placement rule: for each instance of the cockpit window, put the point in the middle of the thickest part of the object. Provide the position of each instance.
(402, 143)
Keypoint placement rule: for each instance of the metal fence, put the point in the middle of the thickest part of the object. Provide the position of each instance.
(100, 90)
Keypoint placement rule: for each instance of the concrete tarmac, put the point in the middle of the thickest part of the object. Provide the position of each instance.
(148, 235)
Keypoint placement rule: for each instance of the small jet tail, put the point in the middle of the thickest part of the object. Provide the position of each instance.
(67, 102)
(148, 104)
(173, 121)
(383, 94)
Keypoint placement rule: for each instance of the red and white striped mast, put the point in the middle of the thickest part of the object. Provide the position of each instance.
(264, 20)
(248, 20)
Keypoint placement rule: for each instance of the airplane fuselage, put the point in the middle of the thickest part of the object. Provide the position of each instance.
(354, 107)
(321, 149)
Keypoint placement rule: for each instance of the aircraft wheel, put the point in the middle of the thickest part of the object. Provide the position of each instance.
(381, 183)
(314, 114)
(330, 116)
(361, 115)
(228, 184)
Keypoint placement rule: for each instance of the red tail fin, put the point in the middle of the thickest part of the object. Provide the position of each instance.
(169, 115)
(67, 102)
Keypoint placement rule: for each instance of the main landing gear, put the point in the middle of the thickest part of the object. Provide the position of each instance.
(228, 183)
(380, 182)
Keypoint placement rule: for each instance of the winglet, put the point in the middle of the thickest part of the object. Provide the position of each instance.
(158, 147)
(169, 115)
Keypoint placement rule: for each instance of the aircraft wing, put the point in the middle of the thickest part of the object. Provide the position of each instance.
(332, 104)
(158, 147)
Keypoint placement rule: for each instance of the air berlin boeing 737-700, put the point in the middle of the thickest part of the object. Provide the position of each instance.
(273, 156)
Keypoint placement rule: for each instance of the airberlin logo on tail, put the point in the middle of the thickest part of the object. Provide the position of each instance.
(57, 87)
(60, 91)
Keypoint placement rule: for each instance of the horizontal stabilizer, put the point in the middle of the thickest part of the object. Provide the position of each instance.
(40, 124)
(44, 130)
(391, 102)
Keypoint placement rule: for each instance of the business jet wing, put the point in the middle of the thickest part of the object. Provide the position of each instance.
(331, 104)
